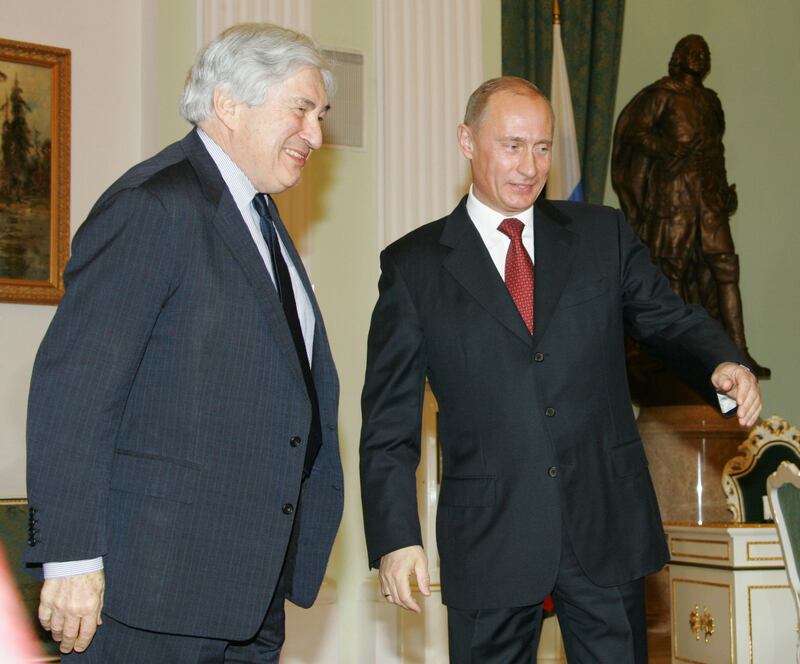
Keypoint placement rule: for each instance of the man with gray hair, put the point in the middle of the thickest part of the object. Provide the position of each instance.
(183, 464)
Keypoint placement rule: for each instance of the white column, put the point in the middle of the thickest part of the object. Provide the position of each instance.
(431, 62)
(213, 16)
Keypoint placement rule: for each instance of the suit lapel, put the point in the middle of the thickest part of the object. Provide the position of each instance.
(228, 222)
(471, 265)
(553, 247)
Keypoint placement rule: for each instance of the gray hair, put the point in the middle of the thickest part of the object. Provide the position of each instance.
(247, 61)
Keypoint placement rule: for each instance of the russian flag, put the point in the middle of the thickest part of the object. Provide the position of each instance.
(564, 181)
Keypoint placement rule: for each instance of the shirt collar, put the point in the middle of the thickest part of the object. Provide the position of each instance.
(238, 183)
(486, 219)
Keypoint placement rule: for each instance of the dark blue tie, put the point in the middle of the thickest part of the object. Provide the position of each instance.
(283, 283)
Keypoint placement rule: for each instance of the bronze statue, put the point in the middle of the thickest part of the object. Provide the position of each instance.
(668, 169)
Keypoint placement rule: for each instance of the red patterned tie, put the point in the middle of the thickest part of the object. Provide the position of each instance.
(519, 270)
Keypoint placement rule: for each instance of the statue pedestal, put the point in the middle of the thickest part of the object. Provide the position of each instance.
(687, 448)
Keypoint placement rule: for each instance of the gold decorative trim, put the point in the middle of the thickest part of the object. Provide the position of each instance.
(726, 544)
(713, 584)
(702, 624)
(770, 542)
(750, 613)
(13, 501)
(774, 431)
(721, 525)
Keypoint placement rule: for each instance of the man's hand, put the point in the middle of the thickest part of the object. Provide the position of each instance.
(70, 609)
(396, 568)
(738, 383)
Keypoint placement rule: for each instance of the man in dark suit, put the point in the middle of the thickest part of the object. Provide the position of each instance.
(183, 464)
(544, 488)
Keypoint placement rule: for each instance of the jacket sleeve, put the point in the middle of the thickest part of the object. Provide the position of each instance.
(391, 405)
(683, 336)
(121, 272)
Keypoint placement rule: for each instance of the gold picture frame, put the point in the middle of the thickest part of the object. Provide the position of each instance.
(34, 171)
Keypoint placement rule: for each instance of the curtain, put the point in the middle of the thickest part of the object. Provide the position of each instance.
(591, 31)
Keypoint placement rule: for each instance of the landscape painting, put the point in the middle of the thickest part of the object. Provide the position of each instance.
(34, 171)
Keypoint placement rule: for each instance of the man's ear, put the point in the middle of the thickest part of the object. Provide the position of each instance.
(226, 108)
(465, 140)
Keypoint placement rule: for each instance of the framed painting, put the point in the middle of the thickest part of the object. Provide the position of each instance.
(34, 171)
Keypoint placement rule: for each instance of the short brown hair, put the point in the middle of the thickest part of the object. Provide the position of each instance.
(476, 105)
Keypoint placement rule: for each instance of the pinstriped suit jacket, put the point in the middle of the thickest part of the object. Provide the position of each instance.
(162, 403)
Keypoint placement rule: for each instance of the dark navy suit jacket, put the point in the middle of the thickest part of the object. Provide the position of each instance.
(535, 430)
(163, 401)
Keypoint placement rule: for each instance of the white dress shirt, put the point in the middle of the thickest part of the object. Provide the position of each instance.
(486, 221)
(243, 192)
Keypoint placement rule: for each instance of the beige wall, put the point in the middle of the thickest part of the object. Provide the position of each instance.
(492, 39)
(755, 69)
(343, 249)
(128, 67)
(107, 92)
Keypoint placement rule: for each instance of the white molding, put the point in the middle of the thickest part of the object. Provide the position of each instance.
(429, 61)
(214, 16)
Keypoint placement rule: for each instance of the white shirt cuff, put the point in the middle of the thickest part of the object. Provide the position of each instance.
(71, 568)
(726, 404)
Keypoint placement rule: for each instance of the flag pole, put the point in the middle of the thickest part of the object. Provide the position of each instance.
(556, 13)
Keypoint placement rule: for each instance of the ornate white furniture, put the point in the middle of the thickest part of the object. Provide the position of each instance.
(783, 488)
(730, 600)
(744, 478)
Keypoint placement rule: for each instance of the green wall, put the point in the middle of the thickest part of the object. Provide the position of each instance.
(755, 69)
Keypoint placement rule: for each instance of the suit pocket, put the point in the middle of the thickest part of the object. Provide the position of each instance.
(467, 491)
(629, 459)
(583, 293)
(156, 476)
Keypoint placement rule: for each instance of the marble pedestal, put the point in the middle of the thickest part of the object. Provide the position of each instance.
(687, 448)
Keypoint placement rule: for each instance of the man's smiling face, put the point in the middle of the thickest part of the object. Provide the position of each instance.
(272, 142)
(509, 150)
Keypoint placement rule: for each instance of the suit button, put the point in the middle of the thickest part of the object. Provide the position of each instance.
(294, 441)
(538, 357)
(288, 508)
(552, 471)
(550, 412)
(331, 427)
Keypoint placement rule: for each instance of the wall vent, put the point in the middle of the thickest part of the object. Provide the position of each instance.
(344, 123)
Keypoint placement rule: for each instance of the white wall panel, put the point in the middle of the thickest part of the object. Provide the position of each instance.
(216, 15)
(431, 60)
